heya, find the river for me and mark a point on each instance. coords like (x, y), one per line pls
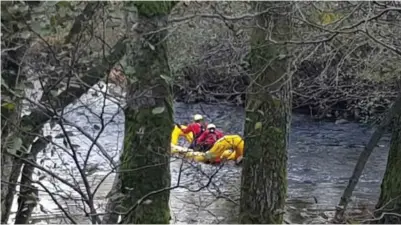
(321, 159)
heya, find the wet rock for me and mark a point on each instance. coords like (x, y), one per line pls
(304, 215)
(307, 182)
(327, 215)
(287, 219)
(357, 211)
(341, 121)
(316, 220)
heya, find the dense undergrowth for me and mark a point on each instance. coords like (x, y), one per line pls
(347, 97)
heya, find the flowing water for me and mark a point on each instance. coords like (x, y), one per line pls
(321, 159)
(322, 156)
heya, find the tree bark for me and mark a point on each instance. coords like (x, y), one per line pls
(9, 178)
(28, 192)
(389, 204)
(363, 159)
(10, 121)
(148, 120)
(268, 117)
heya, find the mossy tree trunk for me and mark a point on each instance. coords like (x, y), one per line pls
(10, 165)
(394, 110)
(268, 112)
(389, 204)
(28, 192)
(149, 120)
(10, 103)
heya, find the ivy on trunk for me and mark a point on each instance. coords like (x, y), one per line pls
(389, 204)
(268, 112)
(145, 162)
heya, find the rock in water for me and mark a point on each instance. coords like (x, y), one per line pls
(341, 121)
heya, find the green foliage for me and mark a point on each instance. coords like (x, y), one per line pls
(158, 110)
(258, 125)
(8, 105)
(14, 145)
(56, 18)
(154, 8)
(47, 18)
(14, 17)
(328, 17)
(63, 4)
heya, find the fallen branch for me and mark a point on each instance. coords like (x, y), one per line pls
(363, 158)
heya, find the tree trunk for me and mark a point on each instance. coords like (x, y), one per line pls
(9, 116)
(28, 192)
(363, 159)
(268, 117)
(148, 121)
(11, 165)
(389, 204)
(114, 203)
(8, 183)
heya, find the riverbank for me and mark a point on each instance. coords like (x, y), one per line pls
(352, 98)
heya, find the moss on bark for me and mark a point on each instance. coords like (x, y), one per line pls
(264, 174)
(390, 196)
(146, 155)
(149, 120)
(11, 65)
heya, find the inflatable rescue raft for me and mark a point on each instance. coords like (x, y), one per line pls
(229, 147)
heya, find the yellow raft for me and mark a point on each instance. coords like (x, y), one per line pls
(229, 147)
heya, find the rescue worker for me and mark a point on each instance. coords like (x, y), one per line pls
(197, 128)
(209, 137)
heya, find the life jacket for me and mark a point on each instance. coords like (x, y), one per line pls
(211, 138)
(202, 129)
(214, 135)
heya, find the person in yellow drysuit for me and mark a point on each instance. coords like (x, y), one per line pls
(233, 142)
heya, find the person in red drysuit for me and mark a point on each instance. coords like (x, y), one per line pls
(197, 128)
(209, 137)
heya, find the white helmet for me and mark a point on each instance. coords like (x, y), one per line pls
(198, 117)
(211, 126)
